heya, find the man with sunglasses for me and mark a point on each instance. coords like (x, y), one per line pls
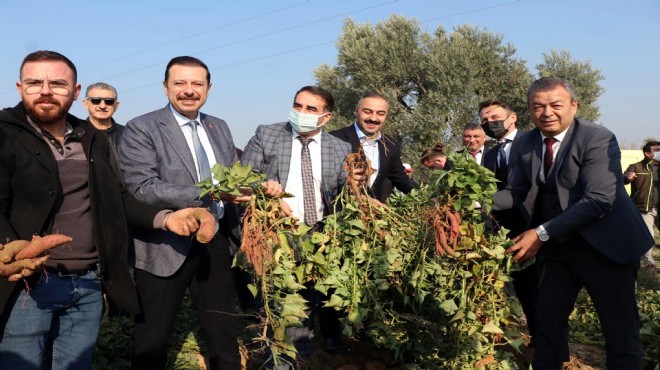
(101, 103)
(56, 177)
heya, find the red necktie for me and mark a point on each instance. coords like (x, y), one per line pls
(548, 156)
(474, 154)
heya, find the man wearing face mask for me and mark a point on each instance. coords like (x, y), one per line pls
(644, 178)
(382, 151)
(499, 122)
(309, 163)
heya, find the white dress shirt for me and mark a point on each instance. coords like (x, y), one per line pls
(555, 149)
(294, 185)
(370, 149)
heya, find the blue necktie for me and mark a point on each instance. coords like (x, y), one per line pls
(502, 154)
(203, 166)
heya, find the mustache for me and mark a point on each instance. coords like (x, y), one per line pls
(46, 99)
(372, 122)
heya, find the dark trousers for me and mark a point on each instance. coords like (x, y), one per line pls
(525, 283)
(564, 269)
(207, 273)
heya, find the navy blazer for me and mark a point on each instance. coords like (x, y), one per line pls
(593, 200)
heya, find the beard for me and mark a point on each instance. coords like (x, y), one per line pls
(48, 116)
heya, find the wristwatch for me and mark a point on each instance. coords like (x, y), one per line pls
(542, 234)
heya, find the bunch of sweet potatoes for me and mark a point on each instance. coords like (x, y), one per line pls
(20, 258)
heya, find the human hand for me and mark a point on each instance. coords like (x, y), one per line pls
(273, 189)
(286, 208)
(187, 221)
(21, 258)
(631, 175)
(526, 245)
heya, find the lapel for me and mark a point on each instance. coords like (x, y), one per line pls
(327, 160)
(213, 133)
(564, 149)
(174, 135)
(284, 153)
(537, 154)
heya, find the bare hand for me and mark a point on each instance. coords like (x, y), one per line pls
(286, 209)
(526, 245)
(631, 175)
(272, 189)
(187, 221)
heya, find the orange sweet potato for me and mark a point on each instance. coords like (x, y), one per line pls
(24, 267)
(8, 251)
(206, 229)
(39, 245)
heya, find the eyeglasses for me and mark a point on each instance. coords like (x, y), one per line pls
(97, 101)
(57, 87)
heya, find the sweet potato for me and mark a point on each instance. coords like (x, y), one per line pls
(39, 245)
(24, 267)
(9, 250)
(206, 229)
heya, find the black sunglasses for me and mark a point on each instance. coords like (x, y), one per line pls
(97, 101)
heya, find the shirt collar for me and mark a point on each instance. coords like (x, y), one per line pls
(362, 137)
(510, 136)
(181, 119)
(316, 138)
(559, 137)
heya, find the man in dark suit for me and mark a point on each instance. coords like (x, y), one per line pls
(584, 227)
(163, 154)
(499, 122)
(380, 149)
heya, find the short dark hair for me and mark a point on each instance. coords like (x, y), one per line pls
(187, 61)
(473, 126)
(550, 83)
(49, 56)
(319, 91)
(495, 102)
(647, 146)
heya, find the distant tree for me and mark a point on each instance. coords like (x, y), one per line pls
(584, 77)
(434, 82)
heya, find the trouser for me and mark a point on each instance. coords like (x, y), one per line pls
(207, 273)
(54, 325)
(525, 283)
(564, 270)
(649, 220)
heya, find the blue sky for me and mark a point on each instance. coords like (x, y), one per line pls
(260, 52)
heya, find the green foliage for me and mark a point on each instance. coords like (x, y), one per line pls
(380, 266)
(434, 81)
(583, 76)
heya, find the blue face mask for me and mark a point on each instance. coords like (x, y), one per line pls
(304, 122)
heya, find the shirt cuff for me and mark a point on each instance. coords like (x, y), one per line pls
(160, 218)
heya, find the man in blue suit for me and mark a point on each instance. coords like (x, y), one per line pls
(582, 226)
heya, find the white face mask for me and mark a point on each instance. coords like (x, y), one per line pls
(656, 156)
(304, 122)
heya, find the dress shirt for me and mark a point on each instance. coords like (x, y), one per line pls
(479, 155)
(370, 149)
(206, 144)
(507, 145)
(294, 183)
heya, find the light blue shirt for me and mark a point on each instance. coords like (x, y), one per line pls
(370, 149)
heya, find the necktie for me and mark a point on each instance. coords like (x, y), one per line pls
(203, 166)
(309, 200)
(548, 156)
(502, 164)
(474, 154)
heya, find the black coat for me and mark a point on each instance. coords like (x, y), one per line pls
(30, 193)
(390, 166)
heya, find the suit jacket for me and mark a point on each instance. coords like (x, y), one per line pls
(269, 152)
(159, 169)
(593, 200)
(30, 194)
(511, 219)
(390, 165)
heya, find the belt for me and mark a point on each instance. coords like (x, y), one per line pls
(70, 273)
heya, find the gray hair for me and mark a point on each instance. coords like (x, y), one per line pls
(101, 86)
(550, 83)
